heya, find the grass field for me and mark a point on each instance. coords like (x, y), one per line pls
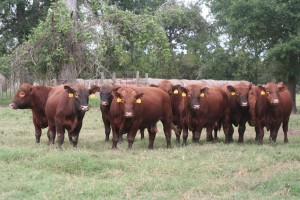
(94, 171)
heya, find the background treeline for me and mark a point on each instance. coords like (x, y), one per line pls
(255, 40)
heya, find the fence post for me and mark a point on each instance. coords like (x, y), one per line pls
(137, 78)
(114, 77)
(146, 79)
(1, 97)
(102, 77)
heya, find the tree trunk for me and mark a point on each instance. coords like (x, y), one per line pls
(67, 73)
(25, 75)
(292, 87)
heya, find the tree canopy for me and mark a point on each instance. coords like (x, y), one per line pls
(253, 40)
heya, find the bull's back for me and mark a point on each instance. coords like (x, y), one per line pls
(286, 103)
(217, 101)
(155, 105)
(56, 100)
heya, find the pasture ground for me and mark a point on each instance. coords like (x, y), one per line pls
(94, 171)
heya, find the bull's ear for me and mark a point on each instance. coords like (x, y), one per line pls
(69, 88)
(116, 94)
(115, 87)
(250, 86)
(94, 89)
(175, 89)
(153, 85)
(230, 88)
(204, 90)
(139, 95)
(183, 91)
(281, 86)
(30, 90)
(262, 89)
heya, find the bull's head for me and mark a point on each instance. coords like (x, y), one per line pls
(80, 95)
(271, 91)
(193, 93)
(23, 98)
(165, 85)
(240, 92)
(128, 98)
(106, 93)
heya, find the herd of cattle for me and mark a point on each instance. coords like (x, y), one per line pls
(128, 109)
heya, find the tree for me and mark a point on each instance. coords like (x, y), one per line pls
(103, 38)
(267, 29)
(188, 34)
(17, 18)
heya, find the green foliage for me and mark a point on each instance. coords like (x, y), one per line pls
(263, 28)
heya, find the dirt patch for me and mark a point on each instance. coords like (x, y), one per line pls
(294, 132)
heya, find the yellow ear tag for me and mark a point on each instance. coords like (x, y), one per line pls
(184, 94)
(92, 96)
(262, 93)
(138, 100)
(175, 92)
(71, 95)
(233, 93)
(202, 95)
(119, 100)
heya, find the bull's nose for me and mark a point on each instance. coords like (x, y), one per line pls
(275, 101)
(128, 114)
(12, 105)
(244, 104)
(84, 108)
(104, 103)
(196, 106)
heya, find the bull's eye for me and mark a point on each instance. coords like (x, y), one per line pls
(22, 94)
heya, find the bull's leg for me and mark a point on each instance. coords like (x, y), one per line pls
(209, 137)
(60, 133)
(228, 136)
(38, 133)
(260, 133)
(197, 134)
(178, 134)
(285, 127)
(142, 131)
(274, 132)
(152, 134)
(107, 130)
(256, 133)
(185, 135)
(51, 132)
(241, 130)
(231, 131)
(131, 136)
(115, 138)
(167, 126)
(174, 128)
(216, 133)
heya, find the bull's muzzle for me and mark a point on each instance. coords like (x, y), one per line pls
(104, 103)
(197, 106)
(84, 108)
(275, 101)
(13, 105)
(128, 114)
(244, 104)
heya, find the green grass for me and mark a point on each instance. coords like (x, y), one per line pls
(94, 171)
